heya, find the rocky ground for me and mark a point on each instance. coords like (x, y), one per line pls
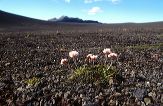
(36, 55)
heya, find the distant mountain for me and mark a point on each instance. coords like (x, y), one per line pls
(13, 19)
(71, 20)
(10, 19)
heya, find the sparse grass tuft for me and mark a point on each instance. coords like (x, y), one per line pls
(93, 74)
(147, 46)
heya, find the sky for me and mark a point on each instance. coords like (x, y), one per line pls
(105, 11)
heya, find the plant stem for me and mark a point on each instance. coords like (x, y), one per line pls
(105, 58)
(75, 62)
(93, 62)
(110, 65)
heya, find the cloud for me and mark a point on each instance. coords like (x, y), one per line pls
(115, 1)
(98, 0)
(88, 1)
(67, 1)
(91, 1)
(94, 10)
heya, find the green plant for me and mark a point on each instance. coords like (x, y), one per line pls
(92, 74)
(33, 81)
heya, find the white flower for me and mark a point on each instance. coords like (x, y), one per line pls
(89, 55)
(107, 51)
(93, 57)
(63, 61)
(112, 55)
(73, 54)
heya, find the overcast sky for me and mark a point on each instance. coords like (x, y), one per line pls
(107, 11)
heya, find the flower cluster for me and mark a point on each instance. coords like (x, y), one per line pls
(64, 61)
(73, 54)
(112, 55)
(91, 57)
(109, 53)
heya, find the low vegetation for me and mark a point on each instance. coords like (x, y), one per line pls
(93, 74)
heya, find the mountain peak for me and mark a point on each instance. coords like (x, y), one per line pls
(71, 20)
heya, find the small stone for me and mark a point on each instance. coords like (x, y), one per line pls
(111, 81)
(147, 101)
(20, 89)
(100, 94)
(112, 103)
(117, 94)
(81, 95)
(152, 94)
(45, 68)
(158, 84)
(139, 93)
(60, 94)
(96, 97)
(148, 83)
(66, 95)
(162, 98)
(7, 64)
(2, 85)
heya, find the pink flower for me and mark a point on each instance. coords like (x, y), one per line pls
(63, 61)
(89, 56)
(73, 54)
(93, 57)
(107, 51)
(112, 55)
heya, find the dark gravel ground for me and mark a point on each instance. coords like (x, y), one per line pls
(28, 54)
